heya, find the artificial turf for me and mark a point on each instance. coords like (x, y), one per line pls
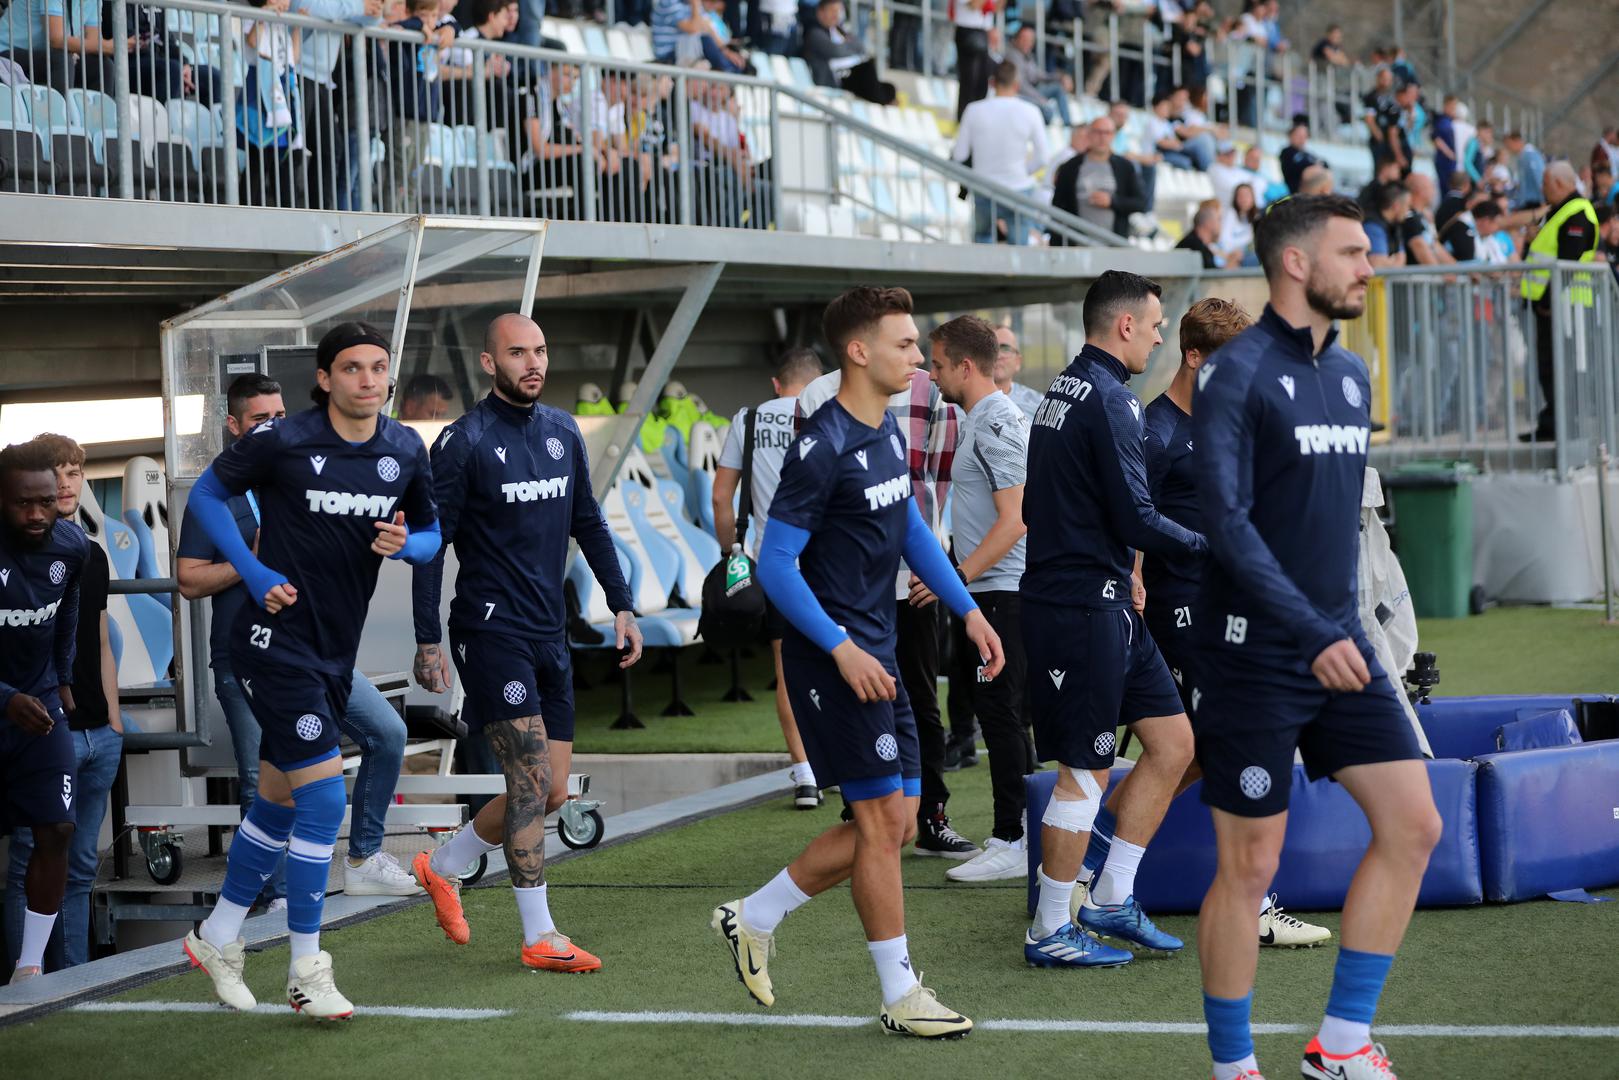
(644, 907)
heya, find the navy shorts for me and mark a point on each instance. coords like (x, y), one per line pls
(1251, 718)
(867, 750)
(297, 710)
(506, 677)
(1090, 670)
(1170, 624)
(38, 774)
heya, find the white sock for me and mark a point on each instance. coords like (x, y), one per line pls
(1084, 876)
(304, 945)
(893, 960)
(1264, 905)
(764, 910)
(1118, 877)
(459, 852)
(535, 911)
(36, 932)
(224, 925)
(802, 774)
(1232, 1070)
(1341, 1037)
(1052, 913)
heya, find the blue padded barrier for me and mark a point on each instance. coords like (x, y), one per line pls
(1326, 837)
(1537, 732)
(1547, 820)
(1464, 727)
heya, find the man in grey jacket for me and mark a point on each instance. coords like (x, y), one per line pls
(1048, 91)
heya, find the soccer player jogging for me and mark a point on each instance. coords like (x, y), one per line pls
(513, 486)
(339, 489)
(772, 435)
(1281, 423)
(988, 524)
(1094, 664)
(41, 561)
(843, 513)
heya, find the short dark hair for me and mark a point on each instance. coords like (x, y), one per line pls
(63, 450)
(1006, 74)
(1288, 220)
(1515, 134)
(1210, 323)
(1386, 194)
(857, 310)
(1487, 209)
(245, 388)
(799, 364)
(424, 385)
(968, 337)
(1111, 293)
(1605, 213)
(35, 455)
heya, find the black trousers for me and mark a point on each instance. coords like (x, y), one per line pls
(917, 651)
(862, 81)
(972, 67)
(959, 703)
(1546, 426)
(1000, 708)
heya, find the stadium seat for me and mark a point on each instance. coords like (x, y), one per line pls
(24, 166)
(596, 41)
(649, 588)
(203, 132)
(145, 497)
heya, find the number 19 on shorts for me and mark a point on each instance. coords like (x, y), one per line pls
(1236, 629)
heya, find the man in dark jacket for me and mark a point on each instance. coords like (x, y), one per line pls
(1099, 185)
(837, 58)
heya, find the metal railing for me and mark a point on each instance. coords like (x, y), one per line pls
(207, 104)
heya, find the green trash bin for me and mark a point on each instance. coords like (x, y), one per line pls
(1433, 534)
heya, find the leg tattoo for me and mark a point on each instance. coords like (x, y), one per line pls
(526, 759)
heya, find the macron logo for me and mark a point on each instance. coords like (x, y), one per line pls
(1057, 677)
(444, 440)
(888, 492)
(1287, 384)
(5, 577)
(500, 452)
(350, 504)
(805, 445)
(247, 687)
(318, 463)
(530, 490)
(1135, 409)
(860, 456)
(815, 699)
(1331, 438)
(1204, 373)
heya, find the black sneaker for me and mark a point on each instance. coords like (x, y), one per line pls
(806, 797)
(960, 755)
(935, 838)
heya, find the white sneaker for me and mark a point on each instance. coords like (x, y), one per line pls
(224, 967)
(1279, 930)
(919, 1013)
(379, 875)
(1001, 860)
(312, 990)
(21, 974)
(278, 904)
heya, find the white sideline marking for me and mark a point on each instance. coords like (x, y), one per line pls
(1111, 1027)
(265, 1009)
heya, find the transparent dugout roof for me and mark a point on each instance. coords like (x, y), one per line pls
(371, 279)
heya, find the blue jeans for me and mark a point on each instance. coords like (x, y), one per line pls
(1056, 98)
(370, 722)
(96, 752)
(986, 210)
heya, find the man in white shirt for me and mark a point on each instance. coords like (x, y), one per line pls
(1005, 136)
(772, 435)
(1225, 174)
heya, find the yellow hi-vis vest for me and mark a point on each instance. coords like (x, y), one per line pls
(1543, 249)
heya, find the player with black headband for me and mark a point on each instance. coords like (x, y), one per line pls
(340, 487)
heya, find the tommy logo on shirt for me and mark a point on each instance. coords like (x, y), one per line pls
(860, 456)
(888, 492)
(317, 462)
(1287, 384)
(350, 503)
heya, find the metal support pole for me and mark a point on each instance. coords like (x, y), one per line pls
(776, 157)
(1559, 307)
(1148, 56)
(120, 82)
(362, 111)
(1113, 53)
(480, 121)
(928, 67)
(1607, 543)
(1040, 33)
(880, 39)
(587, 133)
(684, 140)
(227, 85)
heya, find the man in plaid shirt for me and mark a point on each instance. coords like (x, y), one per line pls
(932, 429)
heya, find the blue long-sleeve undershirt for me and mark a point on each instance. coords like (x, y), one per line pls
(208, 503)
(421, 545)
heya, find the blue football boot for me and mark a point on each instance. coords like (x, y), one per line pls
(1127, 922)
(1071, 947)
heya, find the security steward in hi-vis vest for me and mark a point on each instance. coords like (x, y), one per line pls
(1569, 234)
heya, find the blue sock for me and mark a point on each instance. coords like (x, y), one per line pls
(1229, 1036)
(258, 847)
(1101, 842)
(309, 854)
(1357, 983)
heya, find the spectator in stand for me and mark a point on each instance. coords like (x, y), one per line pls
(1099, 185)
(683, 33)
(1400, 64)
(1385, 225)
(46, 38)
(1446, 154)
(1382, 117)
(1459, 197)
(974, 19)
(1237, 228)
(1604, 191)
(155, 66)
(552, 150)
(458, 69)
(1191, 35)
(327, 123)
(1137, 149)
(1408, 99)
(1608, 223)
(1387, 173)
(1530, 165)
(735, 191)
(1317, 180)
(773, 24)
(1160, 134)
(1294, 158)
(1265, 189)
(1421, 236)
(837, 57)
(1004, 138)
(1330, 49)
(418, 103)
(1480, 153)
(1047, 91)
(1225, 174)
(268, 113)
(1193, 128)
(426, 397)
(1495, 244)
(1203, 234)
(1607, 149)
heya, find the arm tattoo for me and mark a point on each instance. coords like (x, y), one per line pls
(427, 665)
(525, 756)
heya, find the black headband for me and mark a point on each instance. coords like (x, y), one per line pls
(347, 336)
